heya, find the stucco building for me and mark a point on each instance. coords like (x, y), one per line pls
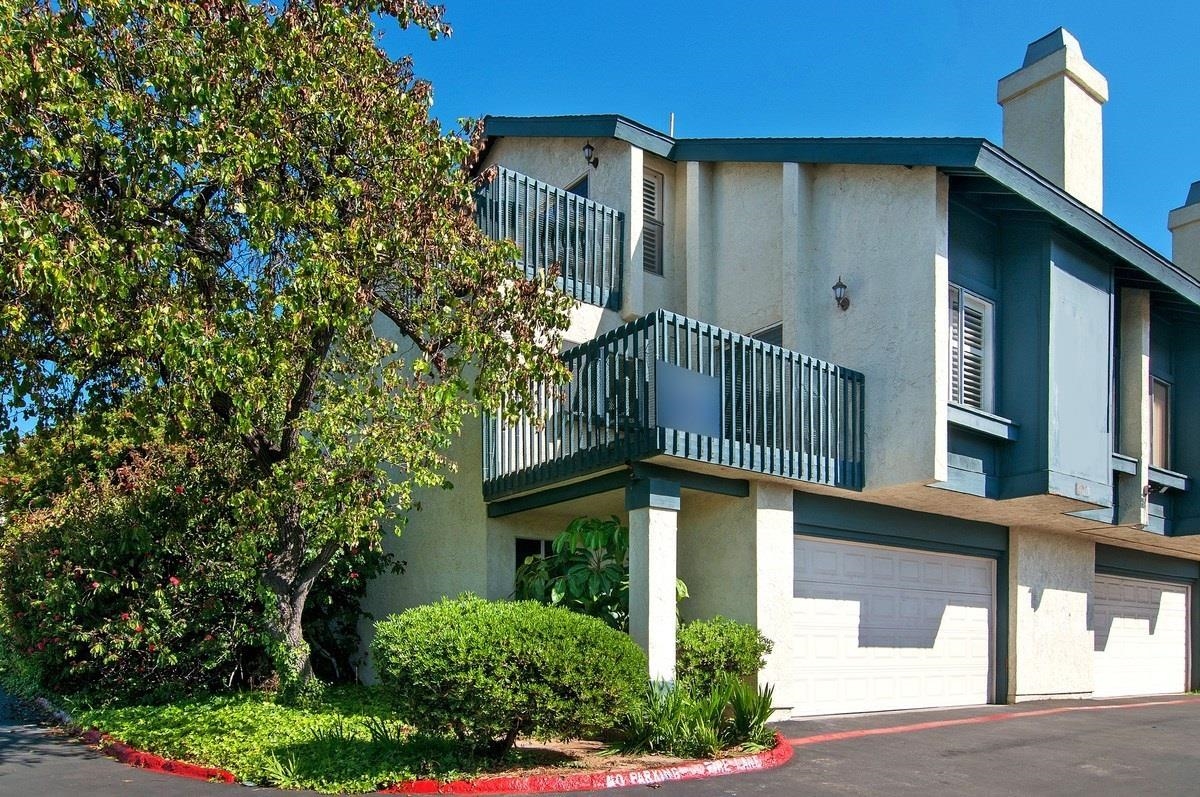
(966, 478)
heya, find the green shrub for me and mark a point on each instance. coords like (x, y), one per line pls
(682, 720)
(488, 671)
(707, 651)
(132, 581)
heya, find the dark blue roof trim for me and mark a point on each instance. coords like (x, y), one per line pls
(1023, 181)
(597, 126)
(944, 152)
(959, 154)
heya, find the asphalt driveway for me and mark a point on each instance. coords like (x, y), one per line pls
(1098, 749)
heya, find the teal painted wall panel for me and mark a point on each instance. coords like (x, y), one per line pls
(973, 246)
(1185, 442)
(1023, 258)
(1080, 351)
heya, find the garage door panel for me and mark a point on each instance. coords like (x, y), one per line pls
(1141, 636)
(881, 628)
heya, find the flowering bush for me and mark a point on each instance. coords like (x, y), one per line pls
(133, 580)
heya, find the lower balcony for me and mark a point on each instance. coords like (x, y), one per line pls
(668, 386)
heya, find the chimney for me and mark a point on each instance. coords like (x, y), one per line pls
(1052, 116)
(1184, 224)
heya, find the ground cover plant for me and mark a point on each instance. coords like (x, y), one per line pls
(351, 740)
(700, 721)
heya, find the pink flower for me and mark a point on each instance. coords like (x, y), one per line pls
(179, 489)
(95, 585)
(124, 615)
(354, 575)
(174, 581)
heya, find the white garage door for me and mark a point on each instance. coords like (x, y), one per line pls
(1141, 637)
(881, 628)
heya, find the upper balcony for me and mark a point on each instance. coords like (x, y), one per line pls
(553, 227)
(665, 386)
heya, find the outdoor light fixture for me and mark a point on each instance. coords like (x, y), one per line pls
(839, 294)
(589, 155)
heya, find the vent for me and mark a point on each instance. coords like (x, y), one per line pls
(652, 225)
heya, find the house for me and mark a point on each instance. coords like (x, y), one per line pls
(964, 475)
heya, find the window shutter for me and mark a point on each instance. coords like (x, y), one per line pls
(973, 356)
(970, 349)
(652, 228)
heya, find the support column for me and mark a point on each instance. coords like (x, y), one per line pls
(774, 551)
(633, 286)
(653, 506)
(1051, 640)
(1133, 426)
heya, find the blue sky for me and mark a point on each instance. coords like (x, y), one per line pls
(831, 69)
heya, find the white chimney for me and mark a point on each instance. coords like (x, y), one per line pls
(1184, 224)
(1052, 116)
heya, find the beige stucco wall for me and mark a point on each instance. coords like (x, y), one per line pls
(735, 555)
(1184, 224)
(883, 231)
(745, 256)
(1051, 640)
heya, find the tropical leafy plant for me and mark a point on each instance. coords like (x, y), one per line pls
(588, 572)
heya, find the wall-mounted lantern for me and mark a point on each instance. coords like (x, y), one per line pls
(589, 155)
(839, 294)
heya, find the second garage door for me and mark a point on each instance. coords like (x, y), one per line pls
(880, 628)
(1141, 637)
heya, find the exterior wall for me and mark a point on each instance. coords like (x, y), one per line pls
(1081, 345)
(745, 255)
(1051, 584)
(670, 290)
(735, 555)
(444, 543)
(883, 230)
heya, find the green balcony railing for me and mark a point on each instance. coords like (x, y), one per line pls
(668, 385)
(553, 227)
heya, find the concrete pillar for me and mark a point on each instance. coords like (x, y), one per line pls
(697, 240)
(736, 558)
(795, 222)
(1052, 116)
(1184, 224)
(774, 549)
(1051, 590)
(653, 506)
(1133, 428)
(633, 280)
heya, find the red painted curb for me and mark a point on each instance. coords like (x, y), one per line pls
(582, 781)
(840, 736)
(151, 761)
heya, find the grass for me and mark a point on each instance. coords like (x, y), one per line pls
(352, 741)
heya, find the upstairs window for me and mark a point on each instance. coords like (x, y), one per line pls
(580, 187)
(1160, 424)
(652, 222)
(971, 358)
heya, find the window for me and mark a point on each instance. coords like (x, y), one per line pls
(527, 547)
(1160, 424)
(652, 222)
(772, 334)
(579, 187)
(970, 349)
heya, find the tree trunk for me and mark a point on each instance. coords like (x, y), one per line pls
(297, 660)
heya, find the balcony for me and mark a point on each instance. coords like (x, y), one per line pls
(553, 227)
(667, 386)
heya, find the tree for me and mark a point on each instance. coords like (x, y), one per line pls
(237, 220)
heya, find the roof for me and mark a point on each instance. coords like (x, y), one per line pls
(965, 157)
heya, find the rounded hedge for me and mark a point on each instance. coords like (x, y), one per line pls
(708, 651)
(490, 670)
